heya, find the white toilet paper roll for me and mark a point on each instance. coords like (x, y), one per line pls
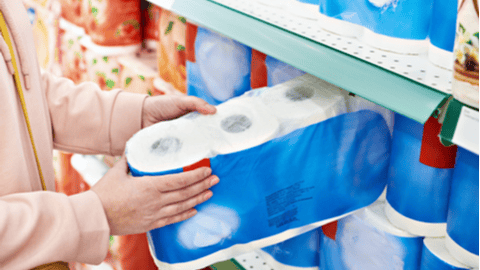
(375, 216)
(169, 145)
(240, 124)
(304, 101)
(442, 260)
(305, 9)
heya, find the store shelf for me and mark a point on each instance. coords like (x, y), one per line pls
(460, 126)
(404, 95)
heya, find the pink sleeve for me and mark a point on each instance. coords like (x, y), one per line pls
(75, 228)
(88, 120)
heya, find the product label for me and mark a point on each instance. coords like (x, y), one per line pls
(466, 133)
(279, 202)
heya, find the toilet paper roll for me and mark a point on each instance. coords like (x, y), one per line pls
(462, 222)
(303, 101)
(435, 256)
(240, 124)
(168, 146)
(382, 17)
(442, 33)
(417, 194)
(335, 17)
(150, 20)
(72, 53)
(114, 22)
(367, 240)
(307, 9)
(72, 11)
(298, 253)
(221, 69)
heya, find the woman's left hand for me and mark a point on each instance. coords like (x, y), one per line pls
(168, 107)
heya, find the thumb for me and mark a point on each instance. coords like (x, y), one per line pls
(122, 164)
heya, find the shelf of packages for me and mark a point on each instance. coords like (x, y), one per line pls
(374, 82)
(460, 126)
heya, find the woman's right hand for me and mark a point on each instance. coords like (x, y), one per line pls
(139, 204)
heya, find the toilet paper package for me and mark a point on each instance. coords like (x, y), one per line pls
(367, 240)
(171, 52)
(436, 257)
(465, 67)
(45, 26)
(113, 22)
(74, 11)
(307, 9)
(299, 253)
(417, 194)
(72, 53)
(136, 76)
(280, 72)
(442, 32)
(219, 68)
(150, 23)
(103, 66)
(380, 21)
(273, 187)
(462, 222)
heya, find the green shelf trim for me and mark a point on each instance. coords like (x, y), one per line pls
(449, 126)
(369, 81)
(227, 265)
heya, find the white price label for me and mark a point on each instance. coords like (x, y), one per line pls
(466, 133)
(165, 4)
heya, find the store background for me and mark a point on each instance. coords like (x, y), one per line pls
(143, 48)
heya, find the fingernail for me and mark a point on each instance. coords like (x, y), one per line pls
(214, 181)
(208, 171)
(207, 195)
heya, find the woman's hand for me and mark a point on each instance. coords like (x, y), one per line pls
(139, 204)
(168, 107)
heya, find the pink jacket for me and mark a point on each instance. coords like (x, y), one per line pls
(38, 227)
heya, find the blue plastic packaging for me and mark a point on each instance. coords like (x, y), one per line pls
(302, 252)
(221, 70)
(280, 189)
(462, 222)
(417, 194)
(436, 257)
(279, 72)
(361, 244)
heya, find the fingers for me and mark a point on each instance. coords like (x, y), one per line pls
(122, 164)
(180, 180)
(180, 207)
(174, 219)
(190, 191)
(189, 103)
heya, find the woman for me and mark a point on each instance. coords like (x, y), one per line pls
(40, 227)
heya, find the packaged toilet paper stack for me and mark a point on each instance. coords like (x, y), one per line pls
(367, 240)
(298, 253)
(72, 53)
(45, 25)
(377, 22)
(417, 194)
(436, 257)
(286, 185)
(442, 32)
(113, 22)
(218, 68)
(171, 50)
(136, 75)
(150, 23)
(462, 222)
(74, 11)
